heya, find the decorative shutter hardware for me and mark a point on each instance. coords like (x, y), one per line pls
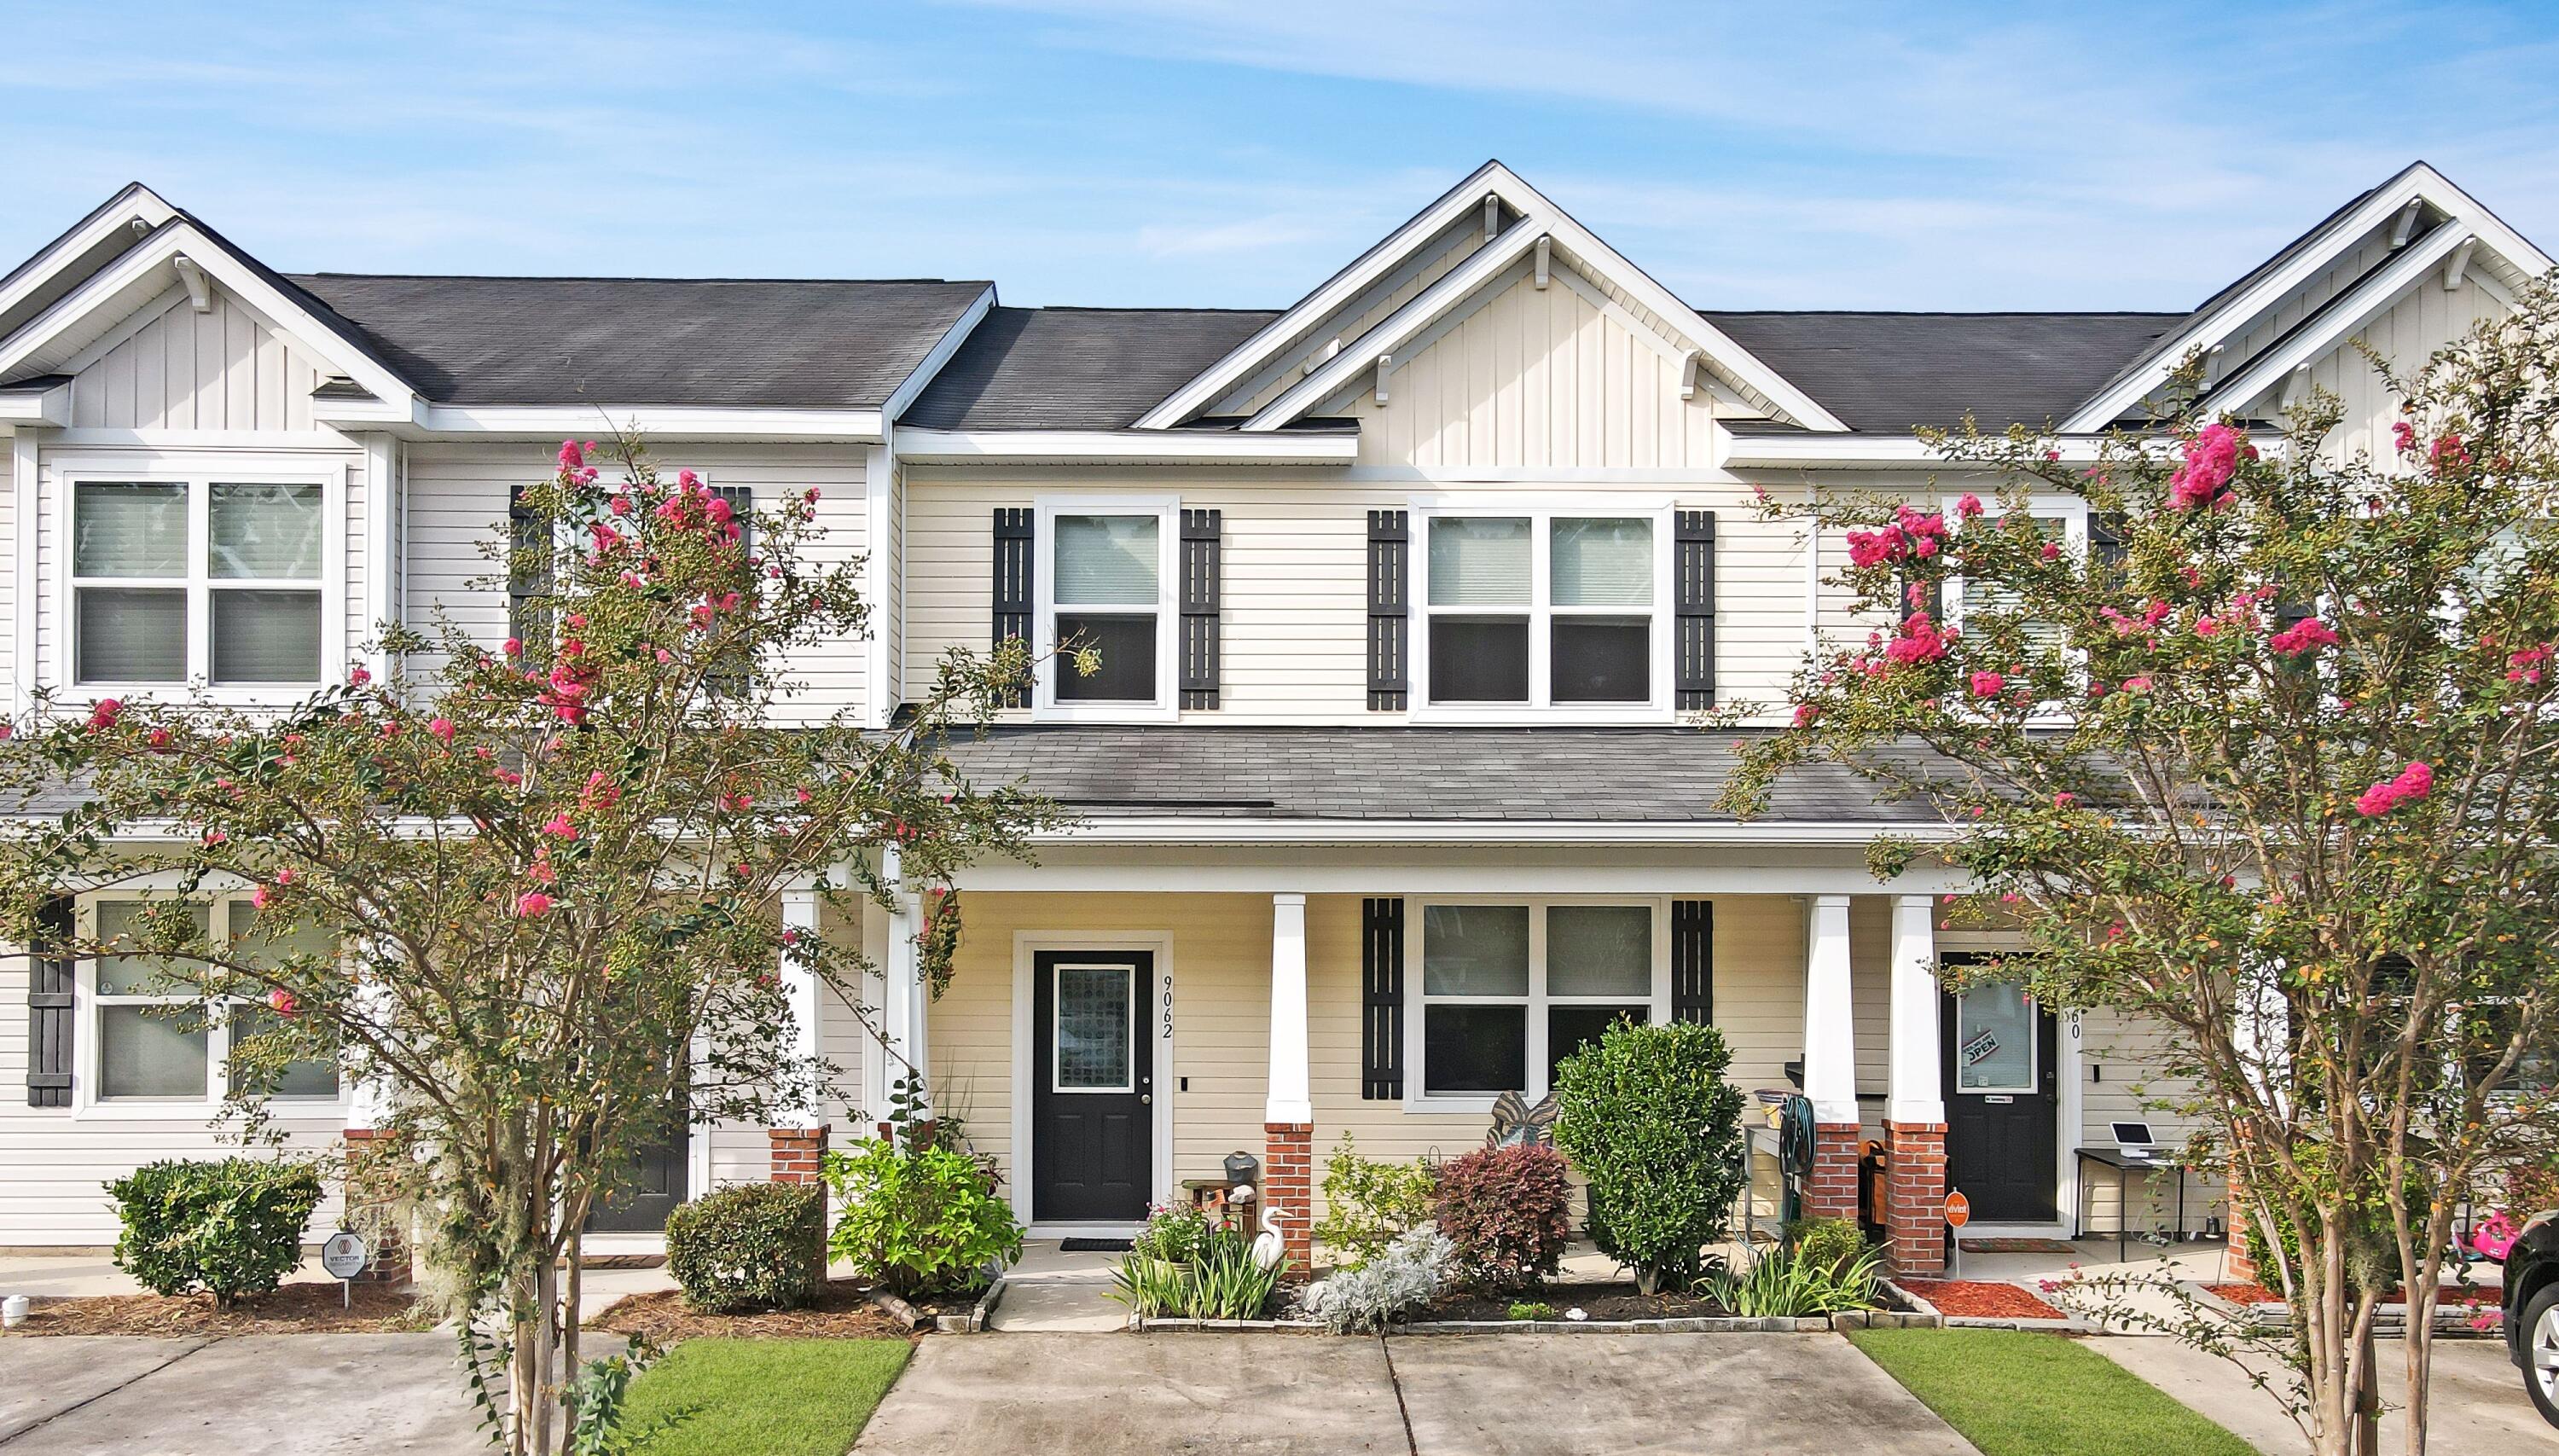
(1390, 554)
(52, 1009)
(1695, 532)
(1012, 582)
(1202, 576)
(1382, 999)
(1693, 961)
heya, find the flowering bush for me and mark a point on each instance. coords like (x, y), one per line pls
(1507, 1211)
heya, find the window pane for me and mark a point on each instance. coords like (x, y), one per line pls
(1603, 564)
(125, 976)
(1108, 561)
(309, 1077)
(265, 532)
(1993, 1038)
(258, 949)
(1474, 950)
(1977, 595)
(266, 637)
(128, 530)
(1474, 661)
(1093, 1019)
(1479, 563)
(1127, 648)
(1570, 1028)
(1602, 659)
(1598, 950)
(130, 635)
(1474, 1049)
(144, 1052)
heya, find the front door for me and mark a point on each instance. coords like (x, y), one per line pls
(660, 1179)
(2002, 1102)
(1092, 1143)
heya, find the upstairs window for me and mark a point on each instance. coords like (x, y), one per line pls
(1108, 588)
(1544, 610)
(215, 581)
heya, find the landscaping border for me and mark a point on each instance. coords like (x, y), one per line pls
(2067, 1325)
(2389, 1321)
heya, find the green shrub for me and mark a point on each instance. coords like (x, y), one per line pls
(754, 1245)
(1646, 1114)
(1368, 1203)
(1509, 1213)
(1531, 1309)
(232, 1226)
(1188, 1265)
(920, 1220)
(1787, 1281)
(1830, 1244)
(1177, 1235)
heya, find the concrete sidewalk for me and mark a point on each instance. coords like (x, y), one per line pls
(252, 1396)
(2478, 1407)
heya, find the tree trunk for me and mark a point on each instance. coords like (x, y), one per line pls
(523, 1371)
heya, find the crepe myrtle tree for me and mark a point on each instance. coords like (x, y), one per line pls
(550, 872)
(2273, 763)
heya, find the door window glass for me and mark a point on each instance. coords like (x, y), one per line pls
(1093, 1024)
(1995, 1039)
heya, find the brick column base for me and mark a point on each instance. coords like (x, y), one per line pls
(1914, 1198)
(1289, 1187)
(796, 1153)
(1830, 1191)
(2236, 1265)
(372, 1206)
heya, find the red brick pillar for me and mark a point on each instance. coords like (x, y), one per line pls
(796, 1152)
(1287, 1184)
(1830, 1190)
(372, 1206)
(2236, 1265)
(1914, 1198)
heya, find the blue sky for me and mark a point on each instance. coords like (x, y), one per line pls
(1938, 155)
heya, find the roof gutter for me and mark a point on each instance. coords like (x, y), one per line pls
(423, 420)
(1177, 829)
(1870, 451)
(1124, 447)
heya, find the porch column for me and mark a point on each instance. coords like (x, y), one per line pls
(800, 1139)
(1914, 1125)
(2262, 1034)
(1288, 1116)
(1830, 1061)
(369, 1193)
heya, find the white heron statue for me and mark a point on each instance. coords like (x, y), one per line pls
(1270, 1246)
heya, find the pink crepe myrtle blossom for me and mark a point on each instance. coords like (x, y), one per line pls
(1968, 505)
(1919, 642)
(2137, 684)
(2526, 666)
(2050, 551)
(261, 897)
(2404, 435)
(2207, 625)
(1988, 684)
(2414, 782)
(2448, 453)
(282, 1002)
(441, 729)
(2212, 458)
(515, 646)
(2064, 800)
(2305, 636)
(533, 904)
(1807, 714)
(104, 714)
(559, 827)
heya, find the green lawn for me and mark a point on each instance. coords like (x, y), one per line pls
(775, 1397)
(2015, 1392)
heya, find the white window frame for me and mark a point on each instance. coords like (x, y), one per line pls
(1541, 611)
(1536, 1004)
(90, 1035)
(2072, 512)
(1166, 705)
(200, 473)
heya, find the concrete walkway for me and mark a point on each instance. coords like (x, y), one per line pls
(1428, 1395)
(2478, 1407)
(253, 1395)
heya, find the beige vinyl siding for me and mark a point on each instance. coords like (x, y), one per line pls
(457, 509)
(2119, 1079)
(12, 591)
(221, 370)
(2423, 320)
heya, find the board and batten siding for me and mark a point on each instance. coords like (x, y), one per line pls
(457, 511)
(2424, 320)
(179, 370)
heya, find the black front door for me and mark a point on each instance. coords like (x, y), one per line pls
(1092, 1145)
(660, 1178)
(2002, 1102)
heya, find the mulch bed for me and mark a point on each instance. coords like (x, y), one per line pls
(2449, 1296)
(661, 1317)
(1598, 1301)
(293, 1309)
(1981, 1299)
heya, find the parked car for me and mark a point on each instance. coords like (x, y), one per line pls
(2532, 1310)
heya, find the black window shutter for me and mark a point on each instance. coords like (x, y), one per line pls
(528, 578)
(1382, 1000)
(1695, 531)
(2106, 542)
(52, 1009)
(1693, 961)
(1202, 573)
(1012, 578)
(1390, 552)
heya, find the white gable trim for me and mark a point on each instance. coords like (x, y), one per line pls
(2419, 184)
(939, 356)
(136, 204)
(2413, 268)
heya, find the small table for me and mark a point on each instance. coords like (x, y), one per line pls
(2125, 1168)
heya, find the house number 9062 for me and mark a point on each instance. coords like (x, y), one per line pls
(1168, 1008)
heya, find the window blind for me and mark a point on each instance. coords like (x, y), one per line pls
(1479, 563)
(1603, 562)
(1108, 561)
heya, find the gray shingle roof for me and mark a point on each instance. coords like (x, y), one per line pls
(1886, 372)
(1496, 775)
(720, 342)
(1076, 369)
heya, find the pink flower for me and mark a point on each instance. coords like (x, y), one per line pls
(2137, 684)
(2206, 627)
(2211, 459)
(515, 646)
(359, 676)
(571, 456)
(103, 715)
(791, 937)
(1968, 505)
(1806, 715)
(2064, 801)
(559, 827)
(1989, 685)
(2414, 782)
(284, 876)
(2052, 455)
(2526, 666)
(2307, 635)
(282, 1002)
(442, 728)
(531, 904)
(2404, 435)
(2448, 453)
(1919, 641)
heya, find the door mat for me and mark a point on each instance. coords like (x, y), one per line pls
(2016, 1246)
(1093, 1245)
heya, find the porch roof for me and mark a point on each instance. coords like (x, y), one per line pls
(1575, 774)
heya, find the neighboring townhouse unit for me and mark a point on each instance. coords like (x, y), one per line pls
(1408, 595)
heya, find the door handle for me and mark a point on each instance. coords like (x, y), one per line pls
(1147, 1099)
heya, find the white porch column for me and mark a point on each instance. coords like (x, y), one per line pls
(1829, 1030)
(903, 995)
(1290, 1100)
(800, 987)
(1917, 1053)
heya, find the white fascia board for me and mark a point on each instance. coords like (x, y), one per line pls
(939, 356)
(1239, 361)
(1130, 447)
(136, 204)
(661, 421)
(2413, 265)
(1873, 452)
(2420, 183)
(48, 407)
(1181, 830)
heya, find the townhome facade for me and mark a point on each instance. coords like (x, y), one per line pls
(1408, 597)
